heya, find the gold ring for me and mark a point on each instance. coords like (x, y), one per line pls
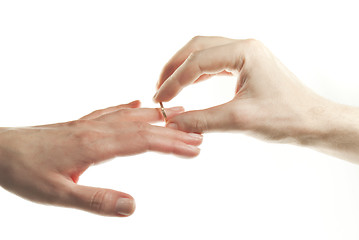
(163, 111)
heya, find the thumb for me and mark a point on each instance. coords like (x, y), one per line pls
(101, 201)
(199, 121)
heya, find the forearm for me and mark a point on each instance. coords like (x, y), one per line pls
(334, 131)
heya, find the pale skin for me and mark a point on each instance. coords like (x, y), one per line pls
(44, 163)
(269, 101)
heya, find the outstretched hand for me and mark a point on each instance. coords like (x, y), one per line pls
(44, 163)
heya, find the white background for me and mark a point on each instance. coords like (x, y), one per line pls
(60, 60)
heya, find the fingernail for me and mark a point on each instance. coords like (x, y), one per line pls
(176, 109)
(154, 97)
(192, 148)
(195, 136)
(125, 206)
(172, 125)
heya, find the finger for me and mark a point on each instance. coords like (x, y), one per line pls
(175, 135)
(209, 61)
(98, 113)
(140, 114)
(200, 121)
(173, 146)
(196, 44)
(101, 201)
(141, 137)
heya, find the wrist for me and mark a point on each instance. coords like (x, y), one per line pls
(332, 128)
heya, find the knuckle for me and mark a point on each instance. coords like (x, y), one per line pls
(80, 123)
(75, 123)
(252, 42)
(200, 124)
(253, 49)
(141, 126)
(197, 42)
(125, 112)
(192, 56)
(193, 62)
(254, 45)
(98, 112)
(196, 39)
(98, 200)
(195, 59)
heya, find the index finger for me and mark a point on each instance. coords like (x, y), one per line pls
(197, 43)
(208, 61)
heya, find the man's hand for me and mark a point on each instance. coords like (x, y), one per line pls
(43, 163)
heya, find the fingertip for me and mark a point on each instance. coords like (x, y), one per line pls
(125, 206)
(134, 104)
(195, 138)
(161, 95)
(188, 151)
(197, 153)
(193, 151)
(154, 98)
(158, 84)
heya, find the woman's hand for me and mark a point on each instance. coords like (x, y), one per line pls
(43, 163)
(269, 102)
